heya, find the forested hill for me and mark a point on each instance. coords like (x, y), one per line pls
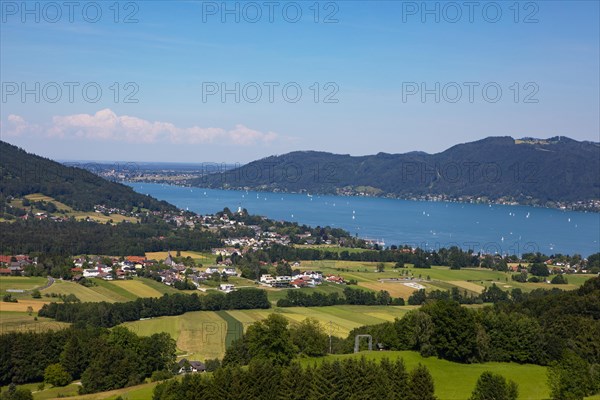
(530, 171)
(22, 173)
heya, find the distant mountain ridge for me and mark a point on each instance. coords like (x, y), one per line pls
(528, 171)
(22, 173)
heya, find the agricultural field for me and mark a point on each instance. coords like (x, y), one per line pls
(473, 280)
(21, 283)
(204, 334)
(202, 258)
(19, 321)
(199, 334)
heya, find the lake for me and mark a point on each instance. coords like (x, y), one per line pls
(488, 228)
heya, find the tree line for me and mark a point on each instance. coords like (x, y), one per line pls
(103, 314)
(102, 359)
(297, 298)
(348, 379)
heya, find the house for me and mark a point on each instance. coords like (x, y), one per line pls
(91, 273)
(211, 271)
(230, 271)
(266, 278)
(226, 287)
(186, 366)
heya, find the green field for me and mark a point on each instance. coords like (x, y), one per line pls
(21, 282)
(205, 334)
(456, 381)
(17, 321)
(199, 334)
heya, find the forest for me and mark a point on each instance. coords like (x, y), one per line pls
(22, 173)
(102, 359)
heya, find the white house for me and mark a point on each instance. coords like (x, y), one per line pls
(226, 287)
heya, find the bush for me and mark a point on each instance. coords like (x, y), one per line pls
(494, 386)
(559, 280)
(212, 364)
(56, 375)
(161, 375)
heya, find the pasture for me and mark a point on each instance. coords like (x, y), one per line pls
(21, 283)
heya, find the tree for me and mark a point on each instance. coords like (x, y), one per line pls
(56, 375)
(270, 339)
(559, 280)
(539, 269)
(420, 384)
(494, 386)
(35, 293)
(417, 298)
(570, 378)
(14, 393)
(310, 338)
(380, 267)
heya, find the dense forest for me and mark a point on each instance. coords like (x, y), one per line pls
(349, 379)
(81, 237)
(101, 359)
(22, 173)
(533, 172)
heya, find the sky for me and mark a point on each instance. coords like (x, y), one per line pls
(237, 81)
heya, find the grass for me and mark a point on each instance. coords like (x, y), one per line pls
(83, 293)
(135, 288)
(199, 335)
(23, 305)
(21, 282)
(18, 321)
(203, 258)
(67, 211)
(456, 381)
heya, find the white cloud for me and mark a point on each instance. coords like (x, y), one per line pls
(105, 125)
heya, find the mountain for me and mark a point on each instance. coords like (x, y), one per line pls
(22, 173)
(528, 170)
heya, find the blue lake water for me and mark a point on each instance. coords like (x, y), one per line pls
(496, 228)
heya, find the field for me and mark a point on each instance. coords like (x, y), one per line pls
(204, 334)
(203, 258)
(18, 321)
(199, 334)
(21, 283)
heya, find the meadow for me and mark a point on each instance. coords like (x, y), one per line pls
(67, 211)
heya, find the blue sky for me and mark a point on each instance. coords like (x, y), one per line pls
(370, 61)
